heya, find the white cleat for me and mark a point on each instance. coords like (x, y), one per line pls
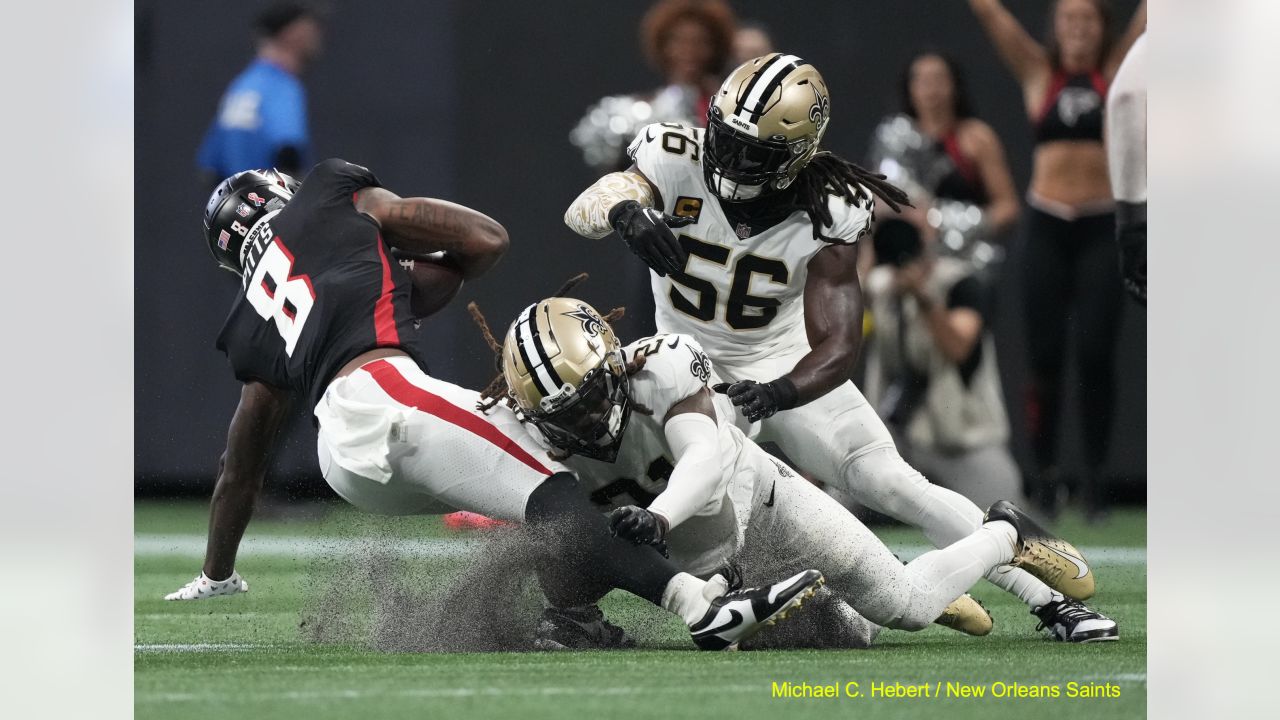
(202, 587)
(736, 616)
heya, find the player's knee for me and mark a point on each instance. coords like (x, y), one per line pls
(913, 621)
(557, 497)
(887, 481)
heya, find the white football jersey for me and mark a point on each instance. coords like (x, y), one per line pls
(675, 368)
(742, 297)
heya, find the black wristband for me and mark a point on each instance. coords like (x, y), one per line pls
(786, 393)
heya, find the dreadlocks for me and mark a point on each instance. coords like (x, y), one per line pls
(829, 174)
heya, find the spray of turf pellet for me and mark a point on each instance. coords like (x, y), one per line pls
(488, 599)
(484, 600)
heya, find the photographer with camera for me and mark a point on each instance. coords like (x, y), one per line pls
(931, 367)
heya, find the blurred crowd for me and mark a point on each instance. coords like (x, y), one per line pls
(932, 273)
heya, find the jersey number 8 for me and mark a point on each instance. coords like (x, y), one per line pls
(279, 296)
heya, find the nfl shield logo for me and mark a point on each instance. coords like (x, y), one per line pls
(256, 199)
(244, 210)
(743, 230)
(224, 237)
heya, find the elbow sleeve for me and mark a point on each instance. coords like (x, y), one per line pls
(694, 439)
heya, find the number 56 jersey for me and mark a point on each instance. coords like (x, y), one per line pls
(319, 288)
(741, 292)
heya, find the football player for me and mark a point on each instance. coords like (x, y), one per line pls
(639, 427)
(324, 316)
(763, 274)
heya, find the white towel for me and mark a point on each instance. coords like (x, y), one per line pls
(359, 433)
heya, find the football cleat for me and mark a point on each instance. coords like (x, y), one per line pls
(1054, 560)
(579, 628)
(202, 587)
(828, 622)
(1068, 620)
(965, 614)
(737, 615)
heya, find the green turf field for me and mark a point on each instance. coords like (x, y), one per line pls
(254, 656)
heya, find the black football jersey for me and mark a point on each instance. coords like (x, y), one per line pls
(319, 288)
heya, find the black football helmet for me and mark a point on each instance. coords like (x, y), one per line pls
(236, 205)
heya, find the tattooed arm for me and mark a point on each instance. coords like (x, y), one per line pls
(589, 214)
(470, 238)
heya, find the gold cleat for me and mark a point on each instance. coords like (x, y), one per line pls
(966, 615)
(1054, 560)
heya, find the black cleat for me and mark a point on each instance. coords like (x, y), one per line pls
(579, 628)
(737, 615)
(1054, 560)
(1068, 620)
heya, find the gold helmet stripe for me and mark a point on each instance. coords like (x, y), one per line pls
(762, 86)
(543, 372)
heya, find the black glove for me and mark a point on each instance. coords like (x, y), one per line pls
(648, 233)
(1131, 234)
(640, 526)
(760, 400)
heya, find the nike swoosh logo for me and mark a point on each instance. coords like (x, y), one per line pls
(648, 135)
(772, 490)
(674, 343)
(735, 619)
(1084, 569)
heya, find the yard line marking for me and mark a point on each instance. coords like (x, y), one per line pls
(193, 545)
(197, 647)
(1105, 555)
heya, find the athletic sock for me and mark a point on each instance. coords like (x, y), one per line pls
(940, 576)
(1027, 587)
(1005, 530)
(684, 596)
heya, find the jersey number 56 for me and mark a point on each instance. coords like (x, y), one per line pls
(743, 311)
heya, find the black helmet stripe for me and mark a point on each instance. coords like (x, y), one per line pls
(557, 383)
(764, 83)
(523, 339)
(529, 340)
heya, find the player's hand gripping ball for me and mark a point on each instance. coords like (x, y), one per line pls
(436, 280)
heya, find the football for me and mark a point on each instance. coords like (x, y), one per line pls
(436, 281)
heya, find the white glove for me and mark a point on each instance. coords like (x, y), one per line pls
(202, 587)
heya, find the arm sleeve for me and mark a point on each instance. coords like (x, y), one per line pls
(589, 214)
(694, 440)
(1126, 119)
